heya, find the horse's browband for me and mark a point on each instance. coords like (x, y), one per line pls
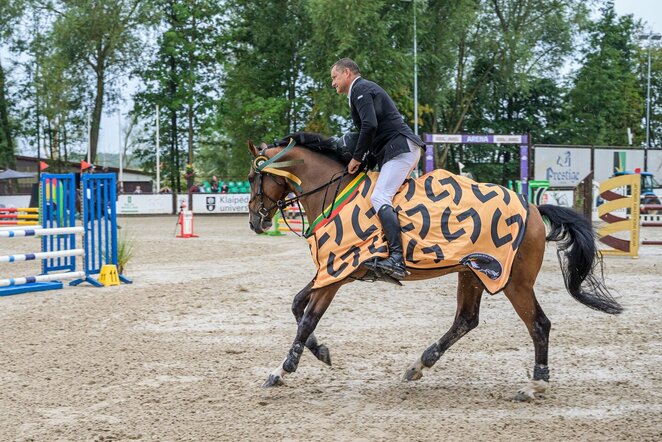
(270, 165)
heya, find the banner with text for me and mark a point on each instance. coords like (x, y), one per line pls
(220, 203)
(562, 167)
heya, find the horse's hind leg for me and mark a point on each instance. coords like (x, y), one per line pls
(317, 304)
(299, 304)
(469, 292)
(524, 301)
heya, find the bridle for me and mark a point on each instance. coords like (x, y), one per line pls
(263, 166)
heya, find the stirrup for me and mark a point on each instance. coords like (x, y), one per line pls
(376, 274)
(395, 272)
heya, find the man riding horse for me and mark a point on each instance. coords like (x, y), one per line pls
(487, 234)
(384, 135)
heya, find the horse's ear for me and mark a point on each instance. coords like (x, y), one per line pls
(252, 149)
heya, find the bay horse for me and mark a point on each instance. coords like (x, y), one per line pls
(312, 176)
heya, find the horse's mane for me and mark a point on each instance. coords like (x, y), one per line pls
(314, 142)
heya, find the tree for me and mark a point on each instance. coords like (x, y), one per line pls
(508, 62)
(183, 80)
(655, 124)
(101, 38)
(6, 137)
(606, 95)
(11, 10)
(375, 34)
(264, 85)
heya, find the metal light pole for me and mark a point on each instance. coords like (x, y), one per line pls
(648, 37)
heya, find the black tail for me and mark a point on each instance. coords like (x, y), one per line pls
(579, 258)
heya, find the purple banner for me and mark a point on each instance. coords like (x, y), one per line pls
(429, 158)
(474, 139)
(522, 140)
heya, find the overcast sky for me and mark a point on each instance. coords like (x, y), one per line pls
(648, 10)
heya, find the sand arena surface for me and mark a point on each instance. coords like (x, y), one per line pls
(181, 354)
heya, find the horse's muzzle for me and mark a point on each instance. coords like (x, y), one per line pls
(259, 224)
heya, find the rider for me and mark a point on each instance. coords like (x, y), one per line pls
(383, 134)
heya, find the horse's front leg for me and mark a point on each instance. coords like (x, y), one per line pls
(299, 304)
(317, 305)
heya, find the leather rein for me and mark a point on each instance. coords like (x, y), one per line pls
(271, 167)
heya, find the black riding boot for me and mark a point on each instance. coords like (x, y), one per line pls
(394, 265)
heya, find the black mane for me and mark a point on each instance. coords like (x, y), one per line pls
(315, 142)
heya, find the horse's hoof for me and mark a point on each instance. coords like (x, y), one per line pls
(273, 381)
(413, 374)
(323, 354)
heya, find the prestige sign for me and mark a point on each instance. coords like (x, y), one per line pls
(562, 167)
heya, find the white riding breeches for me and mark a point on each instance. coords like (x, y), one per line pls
(393, 174)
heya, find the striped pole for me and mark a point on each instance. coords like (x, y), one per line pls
(41, 232)
(18, 216)
(20, 227)
(20, 223)
(41, 255)
(25, 209)
(41, 278)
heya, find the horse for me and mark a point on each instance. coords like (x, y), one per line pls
(312, 176)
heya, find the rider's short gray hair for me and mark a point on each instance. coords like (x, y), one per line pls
(347, 63)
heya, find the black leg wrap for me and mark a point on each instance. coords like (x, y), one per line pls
(292, 361)
(540, 372)
(430, 356)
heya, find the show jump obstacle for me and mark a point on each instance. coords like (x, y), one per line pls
(616, 201)
(60, 235)
(621, 212)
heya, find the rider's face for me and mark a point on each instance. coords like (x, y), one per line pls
(341, 80)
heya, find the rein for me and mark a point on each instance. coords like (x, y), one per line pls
(270, 166)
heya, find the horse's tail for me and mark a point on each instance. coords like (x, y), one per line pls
(579, 258)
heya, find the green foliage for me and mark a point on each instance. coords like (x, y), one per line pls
(510, 86)
(125, 251)
(225, 72)
(182, 79)
(656, 95)
(99, 38)
(6, 137)
(358, 30)
(606, 97)
(10, 11)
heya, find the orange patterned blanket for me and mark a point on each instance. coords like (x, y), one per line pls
(446, 220)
